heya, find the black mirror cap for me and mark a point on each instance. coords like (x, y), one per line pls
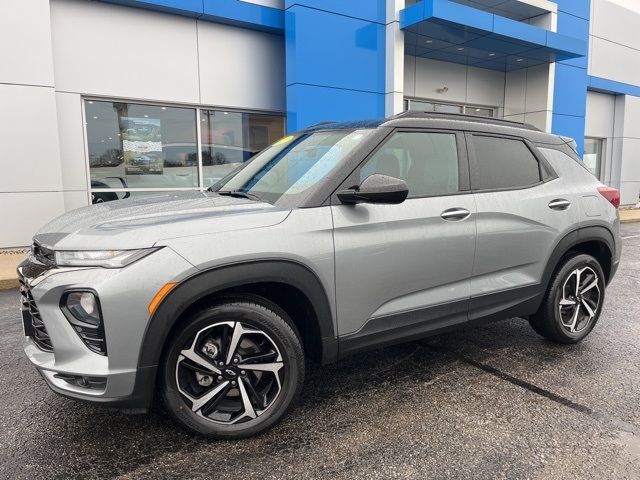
(376, 188)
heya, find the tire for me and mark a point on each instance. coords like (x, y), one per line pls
(269, 372)
(560, 323)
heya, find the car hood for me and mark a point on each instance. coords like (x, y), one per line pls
(143, 222)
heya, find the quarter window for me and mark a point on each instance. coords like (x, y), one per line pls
(502, 163)
(427, 161)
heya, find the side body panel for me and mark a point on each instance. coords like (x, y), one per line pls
(517, 232)
(395, 259)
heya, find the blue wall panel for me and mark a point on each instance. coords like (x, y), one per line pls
(309, 104)
(570, 90)
(335, 63)
(572, 79)
(334, 50)
(604, 85)
(370, 10)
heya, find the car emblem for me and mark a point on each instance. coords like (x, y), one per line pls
(229, 372)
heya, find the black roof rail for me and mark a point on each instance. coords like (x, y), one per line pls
(319, 124)
(465, 118)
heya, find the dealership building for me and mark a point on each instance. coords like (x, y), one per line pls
(104, 100)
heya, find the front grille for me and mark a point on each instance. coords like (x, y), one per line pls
(32, 322)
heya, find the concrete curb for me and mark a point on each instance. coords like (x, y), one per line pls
(630, 215)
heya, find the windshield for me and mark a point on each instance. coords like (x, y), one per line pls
(292, 168)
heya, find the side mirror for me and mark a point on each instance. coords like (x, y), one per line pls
(376, 188)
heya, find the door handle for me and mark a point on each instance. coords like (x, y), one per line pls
(455, 214)
(559, 204)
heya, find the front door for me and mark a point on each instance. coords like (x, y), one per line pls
(405, 269)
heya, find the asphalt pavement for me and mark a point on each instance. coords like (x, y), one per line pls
(496, 401)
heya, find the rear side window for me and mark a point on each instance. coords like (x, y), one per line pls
(502, 163)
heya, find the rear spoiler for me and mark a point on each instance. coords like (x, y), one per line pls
(571, 142)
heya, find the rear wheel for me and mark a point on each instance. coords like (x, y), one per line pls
(573, 302)
(234, 370)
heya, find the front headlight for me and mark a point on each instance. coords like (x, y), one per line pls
(100, 258)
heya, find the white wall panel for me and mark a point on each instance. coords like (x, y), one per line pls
(410, 76)
(29, 155)
(24, 213)
(600, 115)
(424, 78)
(616, 23)
(515, 92)
(241, 67)
(537, 96)
(73, 200)
(632, 117)
(432, 75)
(25, 36)
(71, 138)
(268, 3)
(110, 50)
(630, 172)
(615, 62)
(485, 87)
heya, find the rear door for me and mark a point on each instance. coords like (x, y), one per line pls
(402, 269)
(522, 212)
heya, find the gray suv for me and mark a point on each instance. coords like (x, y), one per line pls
(341, 238)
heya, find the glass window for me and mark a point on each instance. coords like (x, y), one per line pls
(424, 106)
(443, 108)
(593, 148)
(141, 146)
(502, 163)
(479, 111)
(292, 167)
(428, 162)
(231, 138)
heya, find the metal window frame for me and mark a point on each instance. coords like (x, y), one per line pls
(198, 108)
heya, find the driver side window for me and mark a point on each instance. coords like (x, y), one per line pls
(427, 161)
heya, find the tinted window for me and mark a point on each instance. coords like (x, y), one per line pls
(502, 163)
(428, 162)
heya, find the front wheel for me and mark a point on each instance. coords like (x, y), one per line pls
(234, 370)
(573, 302)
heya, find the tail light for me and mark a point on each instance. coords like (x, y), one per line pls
(611, 194)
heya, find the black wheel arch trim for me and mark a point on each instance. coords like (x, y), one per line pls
(220, 278)
(584, 234)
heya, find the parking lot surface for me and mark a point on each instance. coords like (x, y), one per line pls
(496, 401)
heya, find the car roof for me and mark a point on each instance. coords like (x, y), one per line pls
(453, 121)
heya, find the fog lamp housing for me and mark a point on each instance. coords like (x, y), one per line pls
(82, 310)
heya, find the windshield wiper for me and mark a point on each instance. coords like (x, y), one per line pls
(239, 194)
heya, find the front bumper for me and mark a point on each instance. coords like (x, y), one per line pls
(70, 368)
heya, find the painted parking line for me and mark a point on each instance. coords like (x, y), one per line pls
(630, 236)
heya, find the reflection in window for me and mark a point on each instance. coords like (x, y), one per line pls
(141, 146)
(593, 148)
(230, 138)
